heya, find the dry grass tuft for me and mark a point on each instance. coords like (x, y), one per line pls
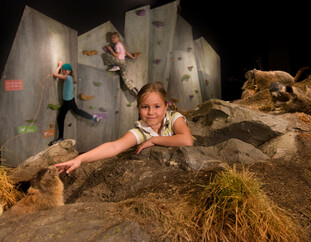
(9, 195)
(164, 217)
(234, 208)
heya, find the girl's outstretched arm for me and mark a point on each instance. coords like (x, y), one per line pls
(104, 151)
(182, 137)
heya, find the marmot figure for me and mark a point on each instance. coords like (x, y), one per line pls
(261, 80)
(45, 192)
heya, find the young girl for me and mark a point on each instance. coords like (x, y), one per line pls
(68, 99)
(156, 127)
(116, 58)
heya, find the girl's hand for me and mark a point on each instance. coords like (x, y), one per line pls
(145, 145)
(68, 166)
(60, 63)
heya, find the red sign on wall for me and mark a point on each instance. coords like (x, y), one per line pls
(13, 85)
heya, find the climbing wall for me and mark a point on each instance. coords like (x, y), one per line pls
(209, 69)
(183, 84)
(101, 98)
(99, 87)
(161, 39)
(136, 35)
(29, 97)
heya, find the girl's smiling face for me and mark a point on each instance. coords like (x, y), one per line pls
(152, 110)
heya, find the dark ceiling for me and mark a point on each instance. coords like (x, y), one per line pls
(241, 33)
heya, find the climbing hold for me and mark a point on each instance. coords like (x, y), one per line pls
(90, 52)
(190, 68)
(191, 96)
(158, 24)
(196, 91)
(101, 115)
(141, 12)
(174, 100)
(102, 109)
(92, 107)
(69, 125)
(185, 77)
(189, 49)
(129, 105)
(159, 42)
(53, 106)
(51, 125)
(86, 98)
(179, 58)
(207, 81)
(97, 84)
(157, 61)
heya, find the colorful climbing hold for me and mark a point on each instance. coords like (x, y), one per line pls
(191, 96)
(86, 98)
(129, 105)
(101, 115)
(196, 91)
(190, 68)
(158, 24)
(97, 84)
(185, 77)
(157, 61)
(90, 52)
(179, 58)
(174, 100)
(92, 107)
(102, 109)
(141, 12)
(53, 106)
(207, 81)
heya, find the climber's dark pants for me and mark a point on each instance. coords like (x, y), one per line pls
(69, 105)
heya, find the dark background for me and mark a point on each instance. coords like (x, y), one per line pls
(254, 34)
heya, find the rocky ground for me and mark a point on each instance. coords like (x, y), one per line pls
(275, 146)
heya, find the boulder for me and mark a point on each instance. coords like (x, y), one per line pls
(57, 153)
(217, 121)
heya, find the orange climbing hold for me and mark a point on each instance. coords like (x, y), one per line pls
(86, 98)
(90, 52)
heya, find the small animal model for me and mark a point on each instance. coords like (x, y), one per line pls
(45, 192)
(261, 80)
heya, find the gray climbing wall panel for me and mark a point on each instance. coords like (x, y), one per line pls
(136, 35)
(40, 42)
(91, 43)
(105, 88)
(208, 62)
(183, 82)
(162, 31)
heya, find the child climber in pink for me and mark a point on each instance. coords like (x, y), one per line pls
(115, 57)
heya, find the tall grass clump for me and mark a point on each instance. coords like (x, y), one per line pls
(234, 208)
(9, 195)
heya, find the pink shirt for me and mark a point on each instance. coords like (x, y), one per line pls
(119, 48)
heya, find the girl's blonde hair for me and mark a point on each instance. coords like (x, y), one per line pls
(151, 87)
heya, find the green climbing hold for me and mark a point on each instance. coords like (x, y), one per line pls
(92, 107)
(97, 84)
(185, 77)
(53, 106)
(129, 105)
